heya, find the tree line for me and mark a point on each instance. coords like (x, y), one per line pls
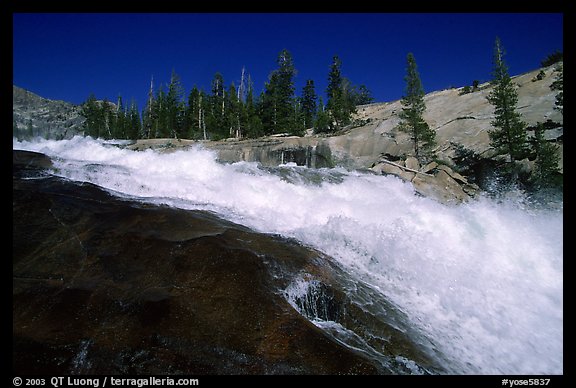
(237, 112)
(233, 111)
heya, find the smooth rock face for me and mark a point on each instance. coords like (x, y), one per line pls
(103, 285)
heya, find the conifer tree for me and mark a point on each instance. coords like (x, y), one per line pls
(253, 121)
(233, 112)
(193, 115)
(297, 122)
(204, 106)
(108, 113)
(94, 120)
(308, 105)
(134, 124)
(349, 96)
(323, 121)
(278, 98)
(509, 133)
(558, 84)
(149, 113)
(161, 122)
(362, 96)
(174, 108)
(341, 102)
(117, 120)
(413, 107)
(335, 104)
(547, 159)
(216, 117)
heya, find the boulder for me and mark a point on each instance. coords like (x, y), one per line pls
(525, 166)
(412, 163)
(441, 187)
(429, 167)
(453, 174)
(390, 169)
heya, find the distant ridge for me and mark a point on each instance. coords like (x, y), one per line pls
(38, 116)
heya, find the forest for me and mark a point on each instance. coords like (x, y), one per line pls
(235, 111)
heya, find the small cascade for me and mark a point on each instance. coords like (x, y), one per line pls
(314, 300)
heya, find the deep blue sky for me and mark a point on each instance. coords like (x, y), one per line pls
(69, 56)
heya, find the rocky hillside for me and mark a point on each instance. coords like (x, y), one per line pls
(43, 117)
(460, 120)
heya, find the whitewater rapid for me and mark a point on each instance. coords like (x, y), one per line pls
(482, 280)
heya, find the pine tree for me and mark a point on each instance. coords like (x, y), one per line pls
(149, 113)
(160, 124)
(268, 105)
(278, 99)
(193, 114)
(134, 125)
(242, 86)
(109, 117)
(297, 122)
(93, 113)
(252, 120)
(552, 58)
(341, 102)
(547, 159)
(216, 115)
(203, 107)
(323, 121)
(362, 96)
(558, 84)
(308, 105)
(174, 107)
(117, 120)
(349, 96)
(335, 103)
(233, 112)
(413, 107)
(509, 133)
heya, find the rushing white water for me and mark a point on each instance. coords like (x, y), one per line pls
(483, 280)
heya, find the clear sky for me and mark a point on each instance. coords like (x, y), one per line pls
(68, 56)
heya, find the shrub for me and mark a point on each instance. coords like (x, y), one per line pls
(465, 90)
(539, 77)
(553, 58)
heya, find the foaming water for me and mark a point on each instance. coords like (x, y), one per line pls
(484, 280)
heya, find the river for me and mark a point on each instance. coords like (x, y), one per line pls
(482, 280)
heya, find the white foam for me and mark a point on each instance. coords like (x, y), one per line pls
(483, 280)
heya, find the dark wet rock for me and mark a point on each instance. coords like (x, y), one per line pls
(103, 285)
(29, 164)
